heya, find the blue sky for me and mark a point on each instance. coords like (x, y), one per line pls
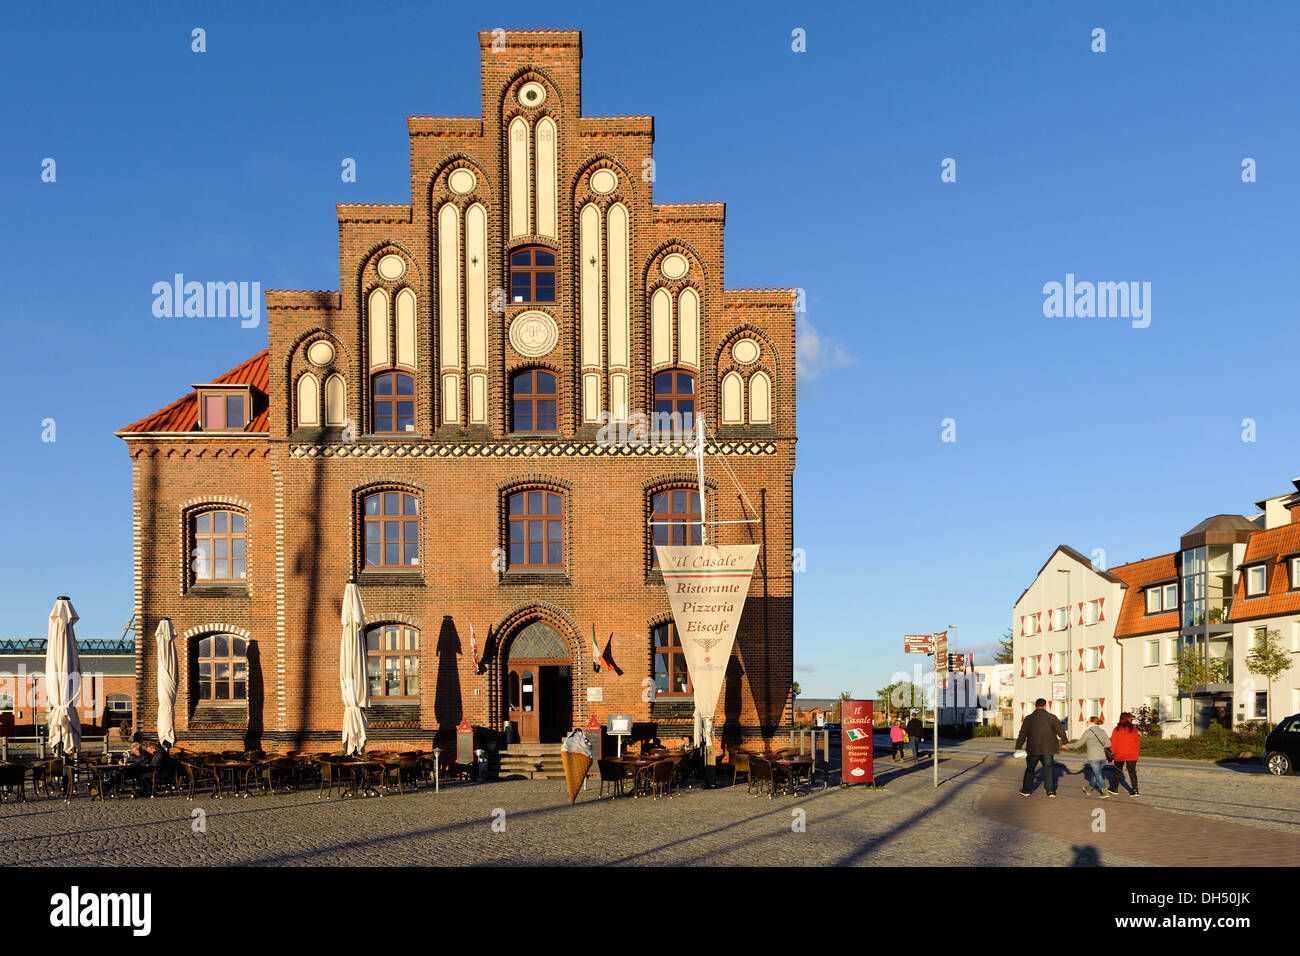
(924, 298)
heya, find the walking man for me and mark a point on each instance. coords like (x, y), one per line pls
(1097, 743)
(1041, 736)
(914, 730)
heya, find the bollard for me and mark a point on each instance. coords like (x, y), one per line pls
(437, 767)
(4, 749)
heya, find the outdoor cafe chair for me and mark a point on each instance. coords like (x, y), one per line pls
(739, 764)
(684, 769)
(331, 776)
(268, 771)
(13, 775)
(403, 770)
(611, 773)
(44, 771)
(200, 775)
(661, 777)
(760, 775)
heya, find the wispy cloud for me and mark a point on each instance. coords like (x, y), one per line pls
(816, 354)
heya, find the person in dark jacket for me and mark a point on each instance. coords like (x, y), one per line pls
(914, 730)
(1041, 736)
(157, 769)
(1126, 744)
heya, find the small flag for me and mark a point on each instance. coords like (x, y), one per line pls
(855, 735)
(473, 644)
(598, 660)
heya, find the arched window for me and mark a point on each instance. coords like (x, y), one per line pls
(308, 400)
(671, 676)
(536, 530)
(223, 668)
(733, 399)
(394, 402)
(675, 396)
(534, 401)
(219, 546)
(392, 661)
(760, 399)
(681, 507)
(392, 534)
(532, 275)
(336, 400)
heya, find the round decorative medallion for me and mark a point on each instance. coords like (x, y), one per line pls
(533, 334)
(532, 94)
(674, 266)
(391, 267)
(461, 181)
(320, 353)
(745, 351)
(603, 181)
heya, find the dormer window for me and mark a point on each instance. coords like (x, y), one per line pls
(224, 409)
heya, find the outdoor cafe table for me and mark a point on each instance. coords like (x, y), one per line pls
(228, 770)
(103, 771)
(795, 767)
(355, 767)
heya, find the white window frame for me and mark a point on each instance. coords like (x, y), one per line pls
(1295, 637)
(1154, 704)
(1091, 611)
(1032, 669)
(1295, 572)
(1153, 646)
(1171, 596)
(1175, 708)
(1154, 599)
(1091, 659)
(1062, 618)
(1030, 621)
(1250, 580)
(1094, 707)
(1058, 708)
(1173, 649)
(1058, 662)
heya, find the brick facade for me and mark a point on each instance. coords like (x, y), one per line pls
(299, 484)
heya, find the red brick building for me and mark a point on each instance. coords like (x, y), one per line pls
(439, 430)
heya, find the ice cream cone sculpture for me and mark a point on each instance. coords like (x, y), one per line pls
(575, 770)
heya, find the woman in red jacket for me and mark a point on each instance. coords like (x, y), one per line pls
(1125, 744)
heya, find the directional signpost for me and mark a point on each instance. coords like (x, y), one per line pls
(940, 688)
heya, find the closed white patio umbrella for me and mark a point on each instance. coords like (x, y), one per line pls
(63, 677)
(164, 636)
(352, 671)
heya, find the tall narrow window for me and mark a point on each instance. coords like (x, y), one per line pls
(392, 535)
(681, 508)
(675, 397)
(219, 546)
(534, 401)
(536, 530)
(532, 275)
(392, 661)
(671, 676)
(223, 668)
(394, 402)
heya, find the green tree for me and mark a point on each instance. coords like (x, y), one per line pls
(844, 695)
(1193, 671)
(795, 689)
(1005, 654)
(1270, 661)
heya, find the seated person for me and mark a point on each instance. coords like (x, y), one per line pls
(157, 769)
(136, 759)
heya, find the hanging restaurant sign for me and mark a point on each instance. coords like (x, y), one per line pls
(707, 585)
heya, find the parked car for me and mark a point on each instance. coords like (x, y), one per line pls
(1282, 747)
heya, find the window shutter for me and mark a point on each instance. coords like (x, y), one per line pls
(1101, 710)
(1101, 609)
(1101, 658)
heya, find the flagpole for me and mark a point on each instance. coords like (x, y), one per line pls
(699, 473)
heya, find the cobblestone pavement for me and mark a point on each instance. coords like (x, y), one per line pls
(907, 823)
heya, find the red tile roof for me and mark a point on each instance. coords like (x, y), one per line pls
(182, 415)
(1270, 548)
(1133, 618)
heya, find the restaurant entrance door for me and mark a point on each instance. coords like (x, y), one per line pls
(539, 685)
